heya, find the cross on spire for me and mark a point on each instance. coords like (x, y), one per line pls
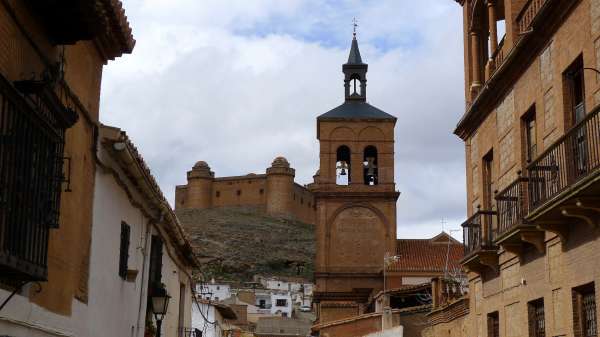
(354, 25)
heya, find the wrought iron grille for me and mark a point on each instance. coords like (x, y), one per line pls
(512, 205)
(31, 157)
(537, 323)
(588, 303)
(479, 231)
(570, 159)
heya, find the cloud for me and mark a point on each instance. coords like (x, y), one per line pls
(236, 83)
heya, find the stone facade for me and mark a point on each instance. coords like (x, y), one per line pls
(30, 47)
(544, 258)
(274, 192)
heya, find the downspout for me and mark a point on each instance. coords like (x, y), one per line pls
(140, 324)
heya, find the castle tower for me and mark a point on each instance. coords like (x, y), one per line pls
(280, 184)
(198, 193)
(355, 196)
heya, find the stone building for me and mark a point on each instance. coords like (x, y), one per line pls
(51, 60)
(533, 167)
(274, 192)
(355, 198)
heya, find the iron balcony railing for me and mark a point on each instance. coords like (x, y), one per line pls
(189, 332)
(571, 158)
(479, 232)
(529, 12)
(31, 157)
(512, 205)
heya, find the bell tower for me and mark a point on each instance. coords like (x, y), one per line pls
(355, 197)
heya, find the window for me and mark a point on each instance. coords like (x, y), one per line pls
(218, 194)
(124, 249)
(218, 288)
(261, 191)
(584, 311)
(493, 324)
(262, 304)
(155, 271)
(239, 192)
(529, 135)
(32, 130)
(281, 302)
(575, 91)
(342, 166)
(537, 323)
(370, 175)
(488, 180)
(301, 201)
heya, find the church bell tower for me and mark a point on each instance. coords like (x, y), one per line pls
(355, 197)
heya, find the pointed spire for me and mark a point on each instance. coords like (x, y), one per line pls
(354, 57)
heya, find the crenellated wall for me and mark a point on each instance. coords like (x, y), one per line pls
(274, 192)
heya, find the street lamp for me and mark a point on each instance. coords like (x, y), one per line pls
(160, 303)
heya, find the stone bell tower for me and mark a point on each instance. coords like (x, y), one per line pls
(355, 197)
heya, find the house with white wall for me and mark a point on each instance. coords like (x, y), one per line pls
(137, 246)
(281, 304)
(214, 291)
(210, 318)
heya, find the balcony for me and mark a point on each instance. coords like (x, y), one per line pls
(564, 181)
(528, 14)
(514, 232)
(478, 242)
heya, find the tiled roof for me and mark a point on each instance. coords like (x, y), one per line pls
(428, 255)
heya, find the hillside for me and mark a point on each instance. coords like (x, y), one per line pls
(236, 243)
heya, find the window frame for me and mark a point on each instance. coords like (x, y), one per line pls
(124, 249)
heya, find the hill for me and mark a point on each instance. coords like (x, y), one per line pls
(235, 243)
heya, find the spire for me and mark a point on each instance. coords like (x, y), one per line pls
(354, 57)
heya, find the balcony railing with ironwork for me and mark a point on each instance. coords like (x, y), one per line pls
(571, 158)
(512, 205)
(529, 12)
(479, 232)
(31, 158)
(189, 332)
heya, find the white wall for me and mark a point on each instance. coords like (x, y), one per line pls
(107, 290)
(208, 320)
(280, 310)
(214, 291)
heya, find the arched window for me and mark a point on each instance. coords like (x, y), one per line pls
(370, 169)
(355, 85)
(342, 166)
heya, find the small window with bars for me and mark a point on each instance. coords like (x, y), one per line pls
(584, 311)
(537, 323)
(124, 250)
(493, 324)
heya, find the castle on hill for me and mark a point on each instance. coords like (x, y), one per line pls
(274, 193)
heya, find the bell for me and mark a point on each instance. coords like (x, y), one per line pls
(343, 173)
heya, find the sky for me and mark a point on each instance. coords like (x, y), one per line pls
(237, 83)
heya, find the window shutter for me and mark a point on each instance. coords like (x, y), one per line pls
(124, 250)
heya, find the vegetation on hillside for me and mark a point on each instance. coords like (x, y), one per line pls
(235, 243)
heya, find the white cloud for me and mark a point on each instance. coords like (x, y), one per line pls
(236, 83)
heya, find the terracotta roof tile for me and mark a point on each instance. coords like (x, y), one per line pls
(428, 255)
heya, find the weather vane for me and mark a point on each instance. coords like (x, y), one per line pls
(354, 24)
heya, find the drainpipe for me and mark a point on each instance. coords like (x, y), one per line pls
(142, 324)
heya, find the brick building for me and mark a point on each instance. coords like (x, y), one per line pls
(273, 192)
(532, 141)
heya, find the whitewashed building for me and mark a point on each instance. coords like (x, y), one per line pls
(137, 246)
(214, 291)
(209, 319)
(281, 304)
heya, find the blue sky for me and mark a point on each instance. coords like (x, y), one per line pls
(237, 83)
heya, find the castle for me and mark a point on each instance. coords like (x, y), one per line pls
(274, 192)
